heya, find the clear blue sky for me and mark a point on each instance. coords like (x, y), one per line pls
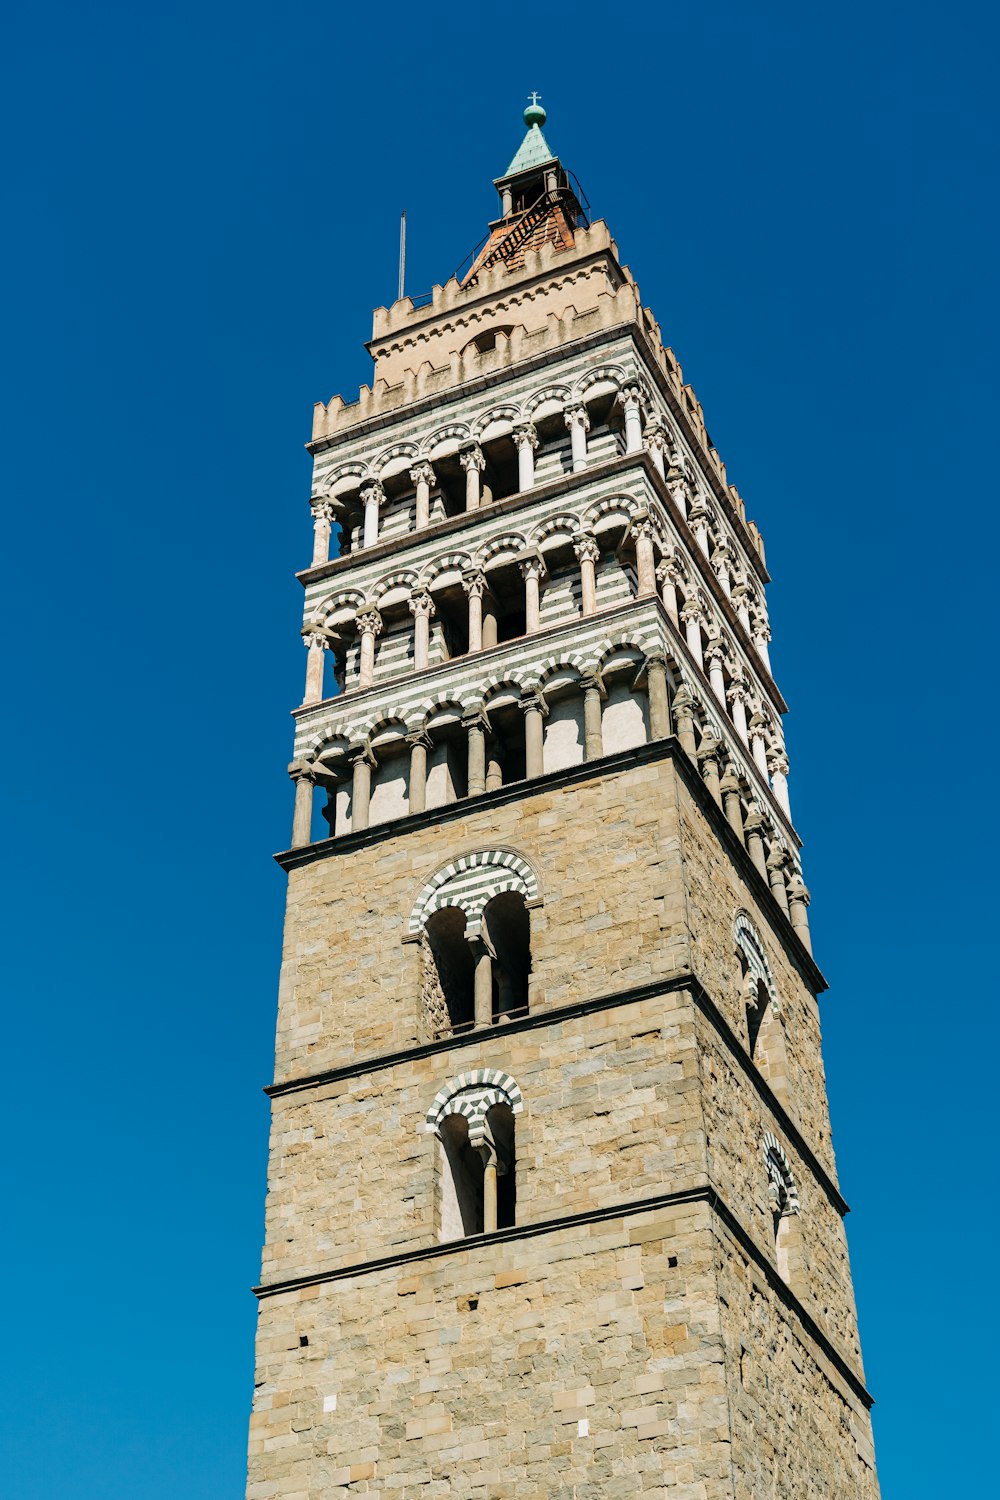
(203, 205)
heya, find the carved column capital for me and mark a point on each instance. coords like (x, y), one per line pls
(525, 436)
(577, 416)
(797, 890)
(532, 565)
(421, 604)
(422, 473)
(323, 508)
(630, 394)
(778, 858)
(474, 583)
(369, 621)
(471, 457)
(372, 490)
(587, 548)
(303, 770)
(692, 613)
(533, 702)
(777, 763)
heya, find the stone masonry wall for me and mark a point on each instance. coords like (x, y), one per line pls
(798, 1431)
(350, 986)
(715, 892)
(611, 1114)
(467, 1377)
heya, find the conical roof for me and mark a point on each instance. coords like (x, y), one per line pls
(533, 152)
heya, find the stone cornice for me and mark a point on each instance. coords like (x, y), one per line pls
(702, 1194)
(621, 760)
(556, 1015)
(396, 547)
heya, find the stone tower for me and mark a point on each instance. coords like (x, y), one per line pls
(552, 1207)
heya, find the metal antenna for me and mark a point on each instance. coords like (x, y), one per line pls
(402, 252)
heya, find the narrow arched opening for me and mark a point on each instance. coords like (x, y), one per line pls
(461, 1207)
(449, 973)
(508, 929)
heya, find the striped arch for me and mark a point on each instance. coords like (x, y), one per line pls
(338, 608)
(610, 376)
(780, 1176)
(510, 544)
(405, 579)
(614, 507)
(749, 943)
(559, 395)
(452, 562)
(398, 450)
(470, 883)
(347, 477)
(445, 440)
(561, 525)
(473, 1095)
(503, 416)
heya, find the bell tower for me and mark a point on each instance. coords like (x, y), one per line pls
(552, 1204)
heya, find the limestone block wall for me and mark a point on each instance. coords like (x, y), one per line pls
(735, 1120)
(797, 1428)
(715, 892)
(611, 1115)
(588, 1361)
(350, 986)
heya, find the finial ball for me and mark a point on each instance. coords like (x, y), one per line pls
(534, 114)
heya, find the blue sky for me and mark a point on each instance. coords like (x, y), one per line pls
(204, 206)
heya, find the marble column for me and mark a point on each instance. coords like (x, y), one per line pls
(776, 862)
(758, 741)
(483, 981)
(473, 462)
(655, 443)
(475, 726)
(532, 571)
(323, 514)
(362, 761)
(755, 843)
(587, 552)
(578, 423)
(699, 517)
(721, 561)
(526, 439)
(777, 764)
(419, 742)
(642, 533)
(741, 602)
(693, 615)
(678, 488)
(730, 788)
(491, 621)
(659, 699)
(668, 577)
(737, 696)
(370, 628)
(372, 495)
(304, 777)
(798, 901)
(422, 609)
(684, 705)
(533, 706)
(709, 753)
(631, 401)
(715, 656)
(474, 584)
(422, 479)
(761, 636)
(490, 1194)
(593, 739)
(316, 643)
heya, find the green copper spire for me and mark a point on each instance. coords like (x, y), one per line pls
(534, 149)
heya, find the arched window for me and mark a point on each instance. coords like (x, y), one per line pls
(473, 1120)
(474, 926)
(765, 1031)
(783, 1202)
